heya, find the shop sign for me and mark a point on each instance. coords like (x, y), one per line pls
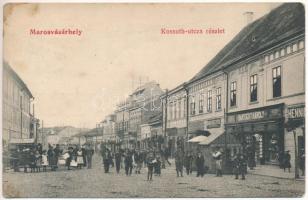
(296, 112)
(213, 123)
(250, 116)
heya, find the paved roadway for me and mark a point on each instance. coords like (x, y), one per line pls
(95, 183)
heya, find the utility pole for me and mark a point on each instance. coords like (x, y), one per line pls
(43, 135)
(187, 111)
(166, 118)
(21, 117)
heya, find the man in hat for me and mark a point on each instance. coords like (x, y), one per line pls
(179, 162)
(200, 164)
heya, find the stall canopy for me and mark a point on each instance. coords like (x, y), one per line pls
(198, 139)
(208, 140)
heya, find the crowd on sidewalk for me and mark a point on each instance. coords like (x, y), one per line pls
(154, 159)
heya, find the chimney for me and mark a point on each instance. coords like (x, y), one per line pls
(248, 17)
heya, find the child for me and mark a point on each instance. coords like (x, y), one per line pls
(44, 160)
(157, 166)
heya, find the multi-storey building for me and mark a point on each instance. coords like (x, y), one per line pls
(175, 117)
(143, 103)
(16, 104)
(251, 95)
(122, 121)
(109, 132)
(266, 83)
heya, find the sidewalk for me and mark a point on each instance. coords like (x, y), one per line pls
(274, 171)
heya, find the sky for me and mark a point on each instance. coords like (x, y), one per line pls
(78, 80)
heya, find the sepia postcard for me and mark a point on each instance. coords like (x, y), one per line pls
(153, 100)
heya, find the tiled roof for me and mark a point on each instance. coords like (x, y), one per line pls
(282, 23)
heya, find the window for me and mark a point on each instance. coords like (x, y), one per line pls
(277, 81)
(209, 101)
(175, 109)
(218, 99)
(201, 103)
(282, 52)
(277, 54)
(179, 107)
(185, 107)
(170, 111)
(233, 94)
(288, 49)
(301, 45)
(253, 88)
(192, 106)
(271, 57)
(294, 47)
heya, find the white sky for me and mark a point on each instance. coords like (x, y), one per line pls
(78, 80)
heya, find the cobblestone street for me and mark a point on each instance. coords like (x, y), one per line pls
(95, 183)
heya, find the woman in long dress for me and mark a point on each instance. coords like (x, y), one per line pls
(80, 162)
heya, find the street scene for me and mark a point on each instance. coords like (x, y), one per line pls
(95, 183)
(168, 102)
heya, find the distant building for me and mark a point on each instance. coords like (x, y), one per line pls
(143, 103)
(152, 133)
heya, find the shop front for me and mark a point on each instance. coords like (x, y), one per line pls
(295, 137)
(260, 132)
(175, 139)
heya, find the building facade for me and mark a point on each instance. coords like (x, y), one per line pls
(16, 105)
(143, 103)
(174, 111)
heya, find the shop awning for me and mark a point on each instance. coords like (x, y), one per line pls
(22, 140)
(198, 139)
(208, 140)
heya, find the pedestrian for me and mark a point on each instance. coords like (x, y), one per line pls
(138, 160)
(239, 166)
(128, 162)
(188, 163)
(200, 164)
(32, 161)
(58, 152)
(38, 161)
(84, 155)
(302, 161)
(167, 154)
(179, 162)
(157, 166)
(150, 164)
(286, 162)
(281, 159)
(217, 155)
(89, 151)
(52, 159)
(118, 159)
(69, 158)
(44, 160)
(106, 159)
(251, 157)
(79, 158)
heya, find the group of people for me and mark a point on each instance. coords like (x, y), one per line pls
(186, 160)
(134, 159)
(36, 158)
